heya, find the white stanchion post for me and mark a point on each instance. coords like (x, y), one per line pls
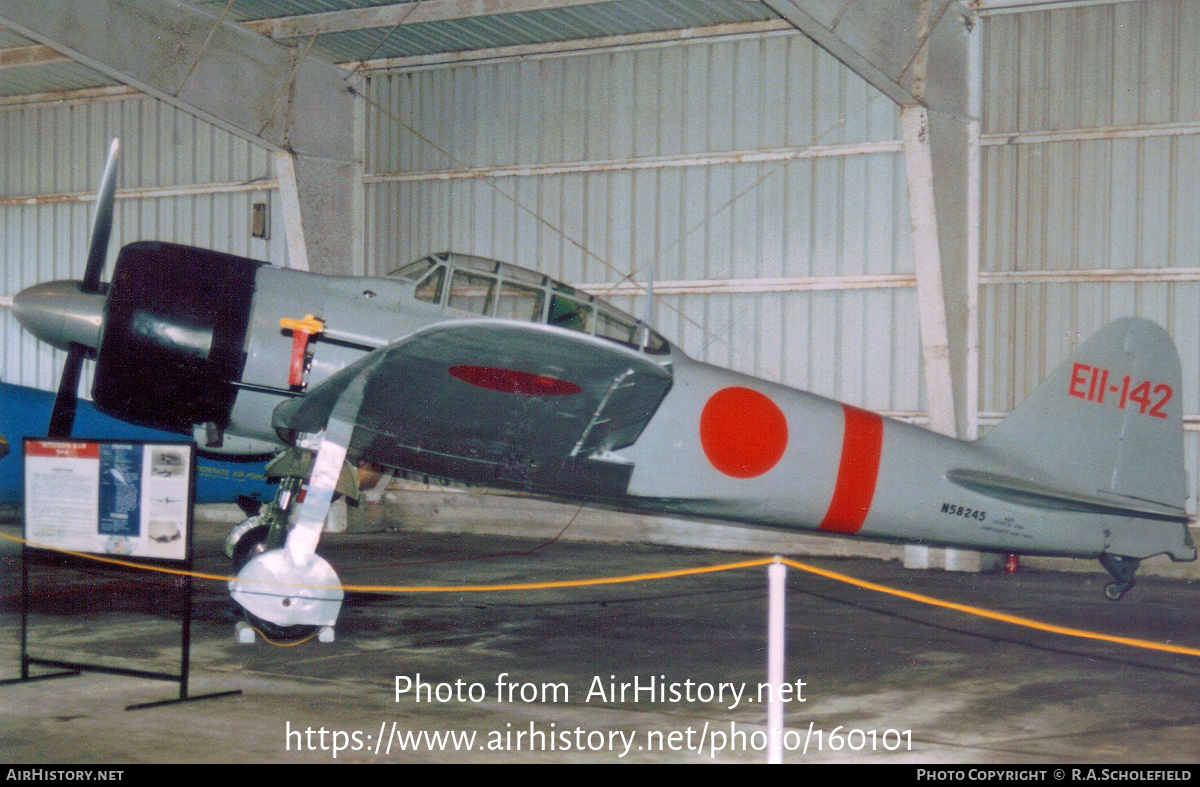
(776, 580)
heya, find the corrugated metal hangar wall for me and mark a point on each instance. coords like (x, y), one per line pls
(181, 180)
(599, 167)
(759, 182)
(1091, 190)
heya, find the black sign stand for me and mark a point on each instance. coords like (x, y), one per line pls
(70, 668)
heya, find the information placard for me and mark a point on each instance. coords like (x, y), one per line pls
(109, 498)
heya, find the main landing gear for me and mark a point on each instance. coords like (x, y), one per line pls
(255, 536)
(286, 591)
(1122, 569)
(287, 584)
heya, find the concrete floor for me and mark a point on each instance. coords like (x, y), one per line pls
(962, 690)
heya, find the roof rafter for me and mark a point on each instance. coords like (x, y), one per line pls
(207, 66)
(913, 51)
(411, 13)
(38, 55)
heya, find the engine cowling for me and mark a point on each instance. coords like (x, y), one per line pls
(174, 333)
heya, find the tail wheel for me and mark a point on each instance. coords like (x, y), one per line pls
(1122, 569)
(1113, 591)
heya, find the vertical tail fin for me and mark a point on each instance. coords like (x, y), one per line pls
(1108, 420)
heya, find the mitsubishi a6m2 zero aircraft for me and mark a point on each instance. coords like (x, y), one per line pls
(485, 373)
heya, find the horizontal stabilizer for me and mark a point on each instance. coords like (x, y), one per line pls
(1034, 495)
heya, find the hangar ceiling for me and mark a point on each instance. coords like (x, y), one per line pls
(880, 40)
(374, 32)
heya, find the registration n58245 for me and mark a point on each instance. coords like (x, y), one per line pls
(964, 511)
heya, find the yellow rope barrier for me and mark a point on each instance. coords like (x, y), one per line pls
(1002, 617)
(569, 583)
(117, 562)
(991, 615)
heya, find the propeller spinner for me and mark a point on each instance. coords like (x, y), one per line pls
(69, 314)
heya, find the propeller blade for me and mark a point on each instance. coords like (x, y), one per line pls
(62, 417)
(649, 307)
(102, 224)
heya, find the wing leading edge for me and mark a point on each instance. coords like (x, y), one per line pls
(499, 403)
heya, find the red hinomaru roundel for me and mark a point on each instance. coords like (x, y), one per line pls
(513, 381)
(743, 432)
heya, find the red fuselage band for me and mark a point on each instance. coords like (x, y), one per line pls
(858, 470)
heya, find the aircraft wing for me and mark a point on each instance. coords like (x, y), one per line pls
(502, 403)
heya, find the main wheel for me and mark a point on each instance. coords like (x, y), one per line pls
(253, 543)
(276, 634)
